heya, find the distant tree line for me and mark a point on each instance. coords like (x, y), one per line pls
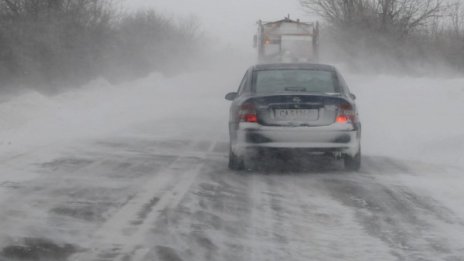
(386, 34)
(55, 43)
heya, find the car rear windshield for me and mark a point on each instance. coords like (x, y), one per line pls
(312, 81)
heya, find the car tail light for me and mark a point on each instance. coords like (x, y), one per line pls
(346, 114)
(247, 113)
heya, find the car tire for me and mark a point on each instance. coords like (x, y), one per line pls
(235, 162)
(353, 163)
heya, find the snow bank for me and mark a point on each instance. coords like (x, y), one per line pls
(412, 118)
(409, 118)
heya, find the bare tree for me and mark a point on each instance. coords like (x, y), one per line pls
(403, 34)
(55, 42)
(399, 16)
(456, 15)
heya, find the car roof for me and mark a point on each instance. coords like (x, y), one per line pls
(290, 66)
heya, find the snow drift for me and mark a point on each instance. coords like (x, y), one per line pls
(403, 117)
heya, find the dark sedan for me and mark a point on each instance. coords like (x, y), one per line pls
(305, 107)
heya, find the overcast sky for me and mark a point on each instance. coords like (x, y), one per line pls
(233, 21)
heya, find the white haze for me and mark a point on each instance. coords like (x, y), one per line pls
(232, 22)
(403, 117)
(406, 119)
(415, 120)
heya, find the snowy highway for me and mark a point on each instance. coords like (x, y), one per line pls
(142, 175)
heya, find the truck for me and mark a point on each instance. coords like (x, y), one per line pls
(287, 40)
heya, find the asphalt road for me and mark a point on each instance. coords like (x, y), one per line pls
(136, 197)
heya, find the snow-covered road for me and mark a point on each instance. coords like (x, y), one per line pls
(139, 172)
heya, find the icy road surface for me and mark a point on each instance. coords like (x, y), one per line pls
(139, 172)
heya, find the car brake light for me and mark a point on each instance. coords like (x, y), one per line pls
(250, 118)
(342, 119)
(346, 114)
(247, 113)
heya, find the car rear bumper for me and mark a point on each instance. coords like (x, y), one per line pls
(336, 138)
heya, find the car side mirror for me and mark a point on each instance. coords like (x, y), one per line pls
(353, 96)
(231, 96)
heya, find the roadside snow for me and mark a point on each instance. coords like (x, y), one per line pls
(33, 120)
(403, 117)
(412, 118)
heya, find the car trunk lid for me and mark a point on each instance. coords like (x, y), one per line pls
(297, 110)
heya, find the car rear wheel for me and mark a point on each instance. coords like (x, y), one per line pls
(353, 163)
(235, 162)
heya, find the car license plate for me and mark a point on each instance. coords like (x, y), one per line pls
(297, 114)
